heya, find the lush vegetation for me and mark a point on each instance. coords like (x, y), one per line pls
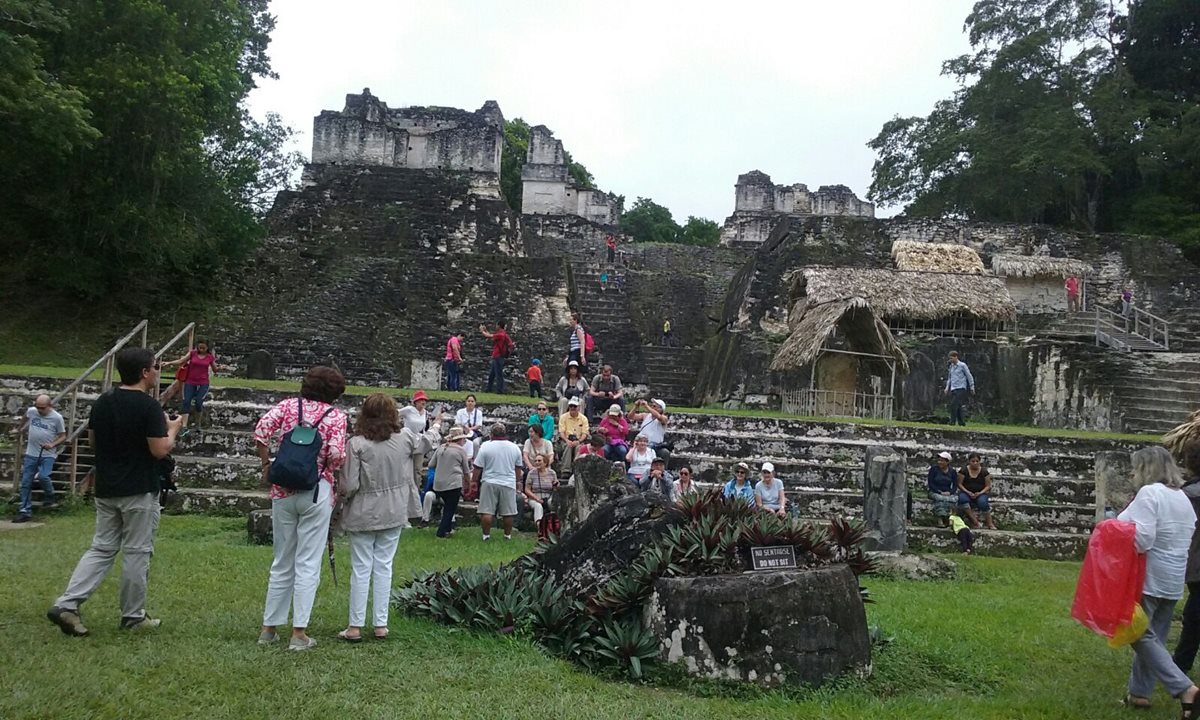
(996, 643)
(1077, 113)
(130, 164)
(712, 536)
(647, 221)
(516, 147)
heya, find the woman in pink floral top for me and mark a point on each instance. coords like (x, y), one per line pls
(298, 524)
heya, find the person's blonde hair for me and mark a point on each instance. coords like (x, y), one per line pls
(1155, 465)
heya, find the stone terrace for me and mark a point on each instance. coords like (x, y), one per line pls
(1043, 489)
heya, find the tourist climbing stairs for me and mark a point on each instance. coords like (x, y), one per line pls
(606, 316)
(671, 373)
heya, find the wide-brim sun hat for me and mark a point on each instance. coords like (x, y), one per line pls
(456, 433)
(614, 409)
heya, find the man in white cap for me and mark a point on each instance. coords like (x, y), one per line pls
(572, 432)
(768, 492)
(942, 483)
(654, 419)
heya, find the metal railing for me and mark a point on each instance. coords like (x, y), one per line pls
(838, 403)
(1137, 323)
(74, 423)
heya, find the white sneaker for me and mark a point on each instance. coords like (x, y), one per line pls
(508, 537)
(487, 537)
(307, 643)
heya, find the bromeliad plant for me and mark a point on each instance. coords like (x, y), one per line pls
(712, 536)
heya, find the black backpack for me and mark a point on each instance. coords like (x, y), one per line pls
(295, 465)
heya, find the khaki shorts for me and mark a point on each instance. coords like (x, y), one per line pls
(497, 500)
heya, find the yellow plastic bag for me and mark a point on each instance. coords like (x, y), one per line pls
(1126, 634)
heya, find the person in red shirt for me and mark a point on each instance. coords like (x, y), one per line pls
(502, 347)
(199, 364)
(611, 244)
(534, 376)
(453, 362)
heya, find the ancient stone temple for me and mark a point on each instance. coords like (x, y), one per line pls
(547, 187)
(759, 204)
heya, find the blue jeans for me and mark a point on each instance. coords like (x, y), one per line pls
(450, 500)
(41, 466)
(193, 394)
(453, 380)
(980, 503)
(496, 375)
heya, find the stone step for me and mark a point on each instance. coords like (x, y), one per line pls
(1166, 408)
(802, 474)
(1004, 543)
(1151, 425)
(1052, 518)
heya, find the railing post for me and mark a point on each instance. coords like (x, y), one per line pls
(74, 466)
(145, 332)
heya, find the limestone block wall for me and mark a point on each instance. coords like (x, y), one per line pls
(547, 188)
(1037, 295)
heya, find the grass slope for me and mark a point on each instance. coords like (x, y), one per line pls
(70, 373)
(998, 643)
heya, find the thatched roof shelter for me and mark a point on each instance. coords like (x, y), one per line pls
(1039, 266)
(899, 294)
(936, 257)
(863, 330)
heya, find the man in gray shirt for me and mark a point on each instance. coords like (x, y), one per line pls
(959, 384)
(47, 433)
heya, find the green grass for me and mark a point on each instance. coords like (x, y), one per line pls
(70, 373)
(998, 643)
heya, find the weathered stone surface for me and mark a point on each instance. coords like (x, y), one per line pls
(260, 365)
(1114, 482)
(776, 628)
(885, 498)
(1004, 543)
(608, 540)
(258, 527)
(596, 482)
(911, 566)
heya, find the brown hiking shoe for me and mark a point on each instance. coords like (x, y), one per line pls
(68, 621)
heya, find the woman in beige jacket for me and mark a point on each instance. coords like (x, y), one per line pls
(379, 500)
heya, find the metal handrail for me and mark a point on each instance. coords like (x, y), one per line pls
(1120, 322)
(104, 359)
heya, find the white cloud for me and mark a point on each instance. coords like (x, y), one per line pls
(659, 99)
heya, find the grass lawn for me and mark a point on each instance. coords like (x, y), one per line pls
(998, 643)
(70, 373)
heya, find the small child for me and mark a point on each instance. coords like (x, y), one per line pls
(534, 375)
(604, 280)
(965, 540)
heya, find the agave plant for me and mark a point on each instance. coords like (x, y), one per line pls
(622, 593)
(845, 532)
(627, 642)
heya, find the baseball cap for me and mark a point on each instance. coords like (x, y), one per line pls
(658, 461)
(420, 395)
(573, 362)
(768, 467)
(573, 401)
(945, 455)
(614, 409)
(662, 405)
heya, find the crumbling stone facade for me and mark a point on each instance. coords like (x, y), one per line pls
(547, 187)
(367, 132)
(760, 204)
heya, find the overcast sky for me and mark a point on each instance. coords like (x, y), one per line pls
(667, 100)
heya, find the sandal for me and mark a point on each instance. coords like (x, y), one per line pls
(1136, 702)
(345, 635)
(1187, 711)
(381, 635)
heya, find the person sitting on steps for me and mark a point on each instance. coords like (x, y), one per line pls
(974, 485)
(942, 484)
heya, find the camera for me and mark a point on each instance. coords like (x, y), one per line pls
(572, 437)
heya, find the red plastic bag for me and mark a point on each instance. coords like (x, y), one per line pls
(1110, 582)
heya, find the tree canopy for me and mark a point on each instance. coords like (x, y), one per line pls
(1077, 113)
(130, 163)
(647, 221)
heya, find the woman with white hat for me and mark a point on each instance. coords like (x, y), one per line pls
(570, 385)
(942, 484)
(739, 487)
(451, 466)
(768, 492)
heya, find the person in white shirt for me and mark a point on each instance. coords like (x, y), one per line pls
(654, 419)
(497, 471)
(638, 461)
(414, 418)
(1165, 522)
(471, 418)
(768, 492)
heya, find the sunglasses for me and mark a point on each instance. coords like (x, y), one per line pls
(739, 472)
(685, 472)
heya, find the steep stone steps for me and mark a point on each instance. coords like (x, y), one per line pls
(1004, 543)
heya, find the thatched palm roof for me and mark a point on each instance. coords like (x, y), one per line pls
(936, 257)
(863, 330)
(1039, 266)
(901, 294)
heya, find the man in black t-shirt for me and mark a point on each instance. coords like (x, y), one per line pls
(129, 434)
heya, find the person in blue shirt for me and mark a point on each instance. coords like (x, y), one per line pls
(739, 487)
(942, 483)
(959, 384)
(544, 418)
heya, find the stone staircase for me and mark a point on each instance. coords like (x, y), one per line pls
(671, 373)
(1043, 487)
(1161, 393)
(606, 315)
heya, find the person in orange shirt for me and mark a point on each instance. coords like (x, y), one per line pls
(534, 375)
